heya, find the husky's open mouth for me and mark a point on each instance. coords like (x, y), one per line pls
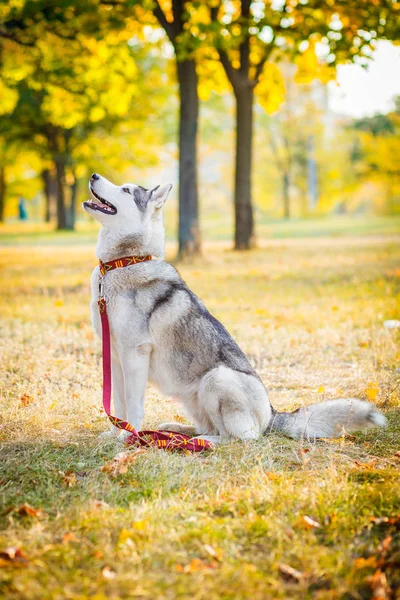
(100, 204)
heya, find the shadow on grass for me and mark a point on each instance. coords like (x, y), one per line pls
(56, 475)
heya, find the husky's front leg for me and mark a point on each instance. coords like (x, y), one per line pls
(135, 367)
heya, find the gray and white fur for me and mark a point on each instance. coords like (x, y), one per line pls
(161, 332)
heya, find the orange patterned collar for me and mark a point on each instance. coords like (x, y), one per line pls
(126, 261)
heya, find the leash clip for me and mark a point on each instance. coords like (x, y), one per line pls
(101, 288)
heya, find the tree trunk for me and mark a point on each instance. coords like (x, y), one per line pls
(244, 223)
(60, 195)
(72, 207)
(286, 195)
(3, 185)
(189, 232)
(50, 192)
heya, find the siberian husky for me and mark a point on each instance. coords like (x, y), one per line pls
(161, 332)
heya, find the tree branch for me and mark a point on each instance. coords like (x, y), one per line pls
(263, 60)
(170, 28)
(231, 73)
(214, 12)
(244, 49)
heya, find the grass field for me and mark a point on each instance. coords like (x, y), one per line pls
(275, 518)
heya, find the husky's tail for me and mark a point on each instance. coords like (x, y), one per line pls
(327, 419)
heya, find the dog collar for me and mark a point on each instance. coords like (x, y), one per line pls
(118, 263)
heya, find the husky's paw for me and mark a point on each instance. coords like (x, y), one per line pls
(178, 428)
(123, 436)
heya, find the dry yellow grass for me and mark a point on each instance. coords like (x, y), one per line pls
(310, 314)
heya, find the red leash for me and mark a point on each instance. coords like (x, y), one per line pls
(167, 440)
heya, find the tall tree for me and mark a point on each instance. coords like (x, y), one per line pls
(68, 91)
(247, 34)
(175, 27)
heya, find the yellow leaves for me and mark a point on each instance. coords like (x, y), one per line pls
(310, 67)
(97, 113)
(62, 107)
(125, 537)
(372, 391)
(211, 76)
(270, 90)
(9, 98)
(321, 389)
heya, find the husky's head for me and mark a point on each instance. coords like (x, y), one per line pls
(131, 217)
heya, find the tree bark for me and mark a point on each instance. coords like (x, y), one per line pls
(244, 220)
(286, 195)
(73, 187)
(188, 228)
(50, 192)
(3, 185)
(62, 221)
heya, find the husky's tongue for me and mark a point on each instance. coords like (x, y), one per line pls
(97, 203)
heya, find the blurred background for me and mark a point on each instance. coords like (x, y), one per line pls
(271, 118)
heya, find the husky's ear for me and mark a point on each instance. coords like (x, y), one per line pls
(159, 194)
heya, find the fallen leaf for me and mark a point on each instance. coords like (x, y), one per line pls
(309, 523)
(120, 464)
(372, 391)
(59, 303)
(385, 544)
(321, 389)
(108, 573)
(271, 475)
(196, 565)
(100, 504)
(13, 556)
(26, 399)
(215, 553)
(290, 573)
(25, 510)
(68, 537)
(395, 520)
(363, 563)
(69, 478)
(369, 465)
(379, 586)
(125, 536)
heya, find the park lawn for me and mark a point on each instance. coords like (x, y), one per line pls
(233, 523)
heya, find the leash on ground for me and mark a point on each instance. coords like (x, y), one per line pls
(165, 440)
